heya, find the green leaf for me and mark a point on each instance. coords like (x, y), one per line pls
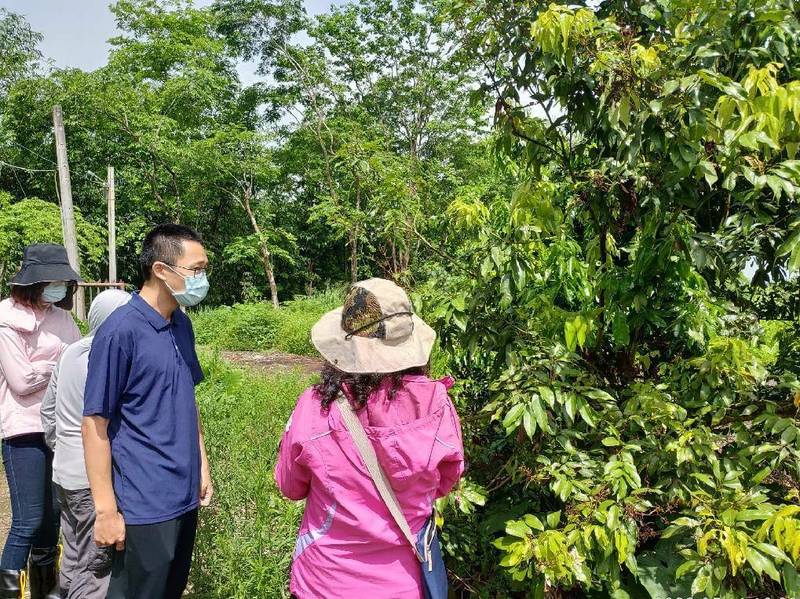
(533, 522)
(730, 181)
(612, 517)
(701, 581)
(553, 518)
(570, 335)
(704, 478)
(588, 415)
(773, 551)
(518, 273)
(752, 515)
(517, 528)
(460, 321)
(576, 331)
(708, 171)
(791, 581)
(761, 475)
(539, 414)
(670, 87)
(792, 247)
(528, 422)
(761, 564)
(620, 330)
(625, 111)
(655, 106)
(513, 416)
(571, 406)
(546, 393)
(685, 568)
(505, 543)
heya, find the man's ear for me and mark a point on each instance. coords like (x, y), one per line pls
(158, 270)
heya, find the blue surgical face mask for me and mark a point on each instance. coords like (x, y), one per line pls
(54, 292)
(195, 291)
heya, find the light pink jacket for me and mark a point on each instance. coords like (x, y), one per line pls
(30, 344)
(348, 545)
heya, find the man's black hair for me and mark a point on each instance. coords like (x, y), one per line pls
(164, 244)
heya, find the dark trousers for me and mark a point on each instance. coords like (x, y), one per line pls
(156, 560)
(85, 567)
(34, 509)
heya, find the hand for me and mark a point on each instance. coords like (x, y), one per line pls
(206, 487)
(109, 529)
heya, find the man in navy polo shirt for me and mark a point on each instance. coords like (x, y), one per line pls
(143, 442)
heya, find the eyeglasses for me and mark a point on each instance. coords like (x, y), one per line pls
(196, 272)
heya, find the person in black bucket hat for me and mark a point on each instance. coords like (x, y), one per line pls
(44, 263)
(35, 327)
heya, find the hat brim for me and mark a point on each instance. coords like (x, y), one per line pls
(45, 273)
(371, 355)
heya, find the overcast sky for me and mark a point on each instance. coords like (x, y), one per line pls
(75, 31)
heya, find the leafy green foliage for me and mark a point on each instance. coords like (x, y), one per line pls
(260, 327)
(36, 221)
(18, 52)
(629, 400)
(634, 398)
(246, 538)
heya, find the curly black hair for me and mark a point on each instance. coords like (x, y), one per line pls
(361, 386)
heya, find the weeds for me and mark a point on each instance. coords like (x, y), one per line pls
(246, 538)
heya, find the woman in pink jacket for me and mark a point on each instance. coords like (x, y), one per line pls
(349, 544)
(33, 333)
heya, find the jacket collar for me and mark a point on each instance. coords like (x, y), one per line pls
(150, 314)
(18, 317)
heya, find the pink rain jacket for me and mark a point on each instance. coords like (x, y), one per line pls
(348, 545)
(30, 344)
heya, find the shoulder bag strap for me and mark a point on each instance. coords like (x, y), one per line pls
(367, 452)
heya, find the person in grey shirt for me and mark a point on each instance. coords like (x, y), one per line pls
(85, 568)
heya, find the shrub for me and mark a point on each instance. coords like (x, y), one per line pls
(260, 327)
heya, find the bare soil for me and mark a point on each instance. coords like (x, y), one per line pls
(274, 361)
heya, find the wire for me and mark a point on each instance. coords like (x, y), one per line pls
(28, 170)
(35, 153)
(88, 172)
(84, 174)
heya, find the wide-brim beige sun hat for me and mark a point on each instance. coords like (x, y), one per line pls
(374, 332)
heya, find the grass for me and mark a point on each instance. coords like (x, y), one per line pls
(246, 538)
(260, 327)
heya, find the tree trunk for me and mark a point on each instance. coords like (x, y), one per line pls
(354, 236)
(265, 255)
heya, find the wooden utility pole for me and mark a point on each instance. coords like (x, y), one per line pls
(112, 227)
(67, 211)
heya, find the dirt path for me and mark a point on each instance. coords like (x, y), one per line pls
(274, 361)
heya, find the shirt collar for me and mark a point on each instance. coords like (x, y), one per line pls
(150, 314)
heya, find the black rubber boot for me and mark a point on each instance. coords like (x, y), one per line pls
(43, 574)
(11, 584)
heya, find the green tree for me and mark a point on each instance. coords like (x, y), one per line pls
(19, 54)
(169, 92)
(648, 439)
(36, 221)
(379, 92)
